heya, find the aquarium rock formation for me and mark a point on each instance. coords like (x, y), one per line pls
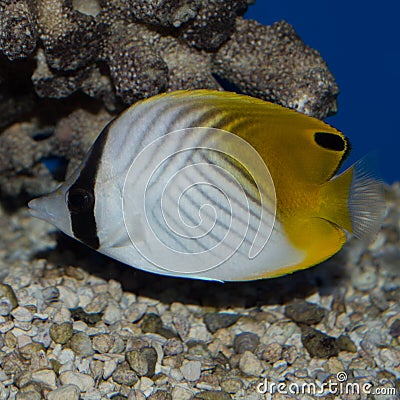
(60, 59)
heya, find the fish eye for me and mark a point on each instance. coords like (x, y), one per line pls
(79, 200)
(330, 141)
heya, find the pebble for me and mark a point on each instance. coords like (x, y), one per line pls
(50, 294)
(136, 395)
(112, 314)
(143, 361)
(198, 348)
(103, 343)
(118, 345)
(28, 395)
(65, 356)
(173, 347)
(395, 328)
(92, 394)
(231, 385)
(67, 392)
(97, 305)
(215, 321)
(346, 344)
(146, 385)
(90, 319)
(365, 280)
(5, 307)
(151, 323)
(68, 297)
(23, 340)
(172, 361)
(272, 352)
(61, 333)
(392, 293)
(82, 381)
(198, 331)
(6, 326)
(135, 312)
(176, 374)
(76, 273)
(191, 370)
(82, 364)
(46, 377)
(160, 395)
(81, 344)
(334, 365)
(249, 324)
(390, 259)
(181, 393)
(301, 311)
(22, 314)
(7, 294)
(250, 365)
(212, 395)
(391, 359)
(59, 315)
(125, 376)
(379, 300)
(31, 348)
(106, 368)
(39, 360)
(246, 341)
(23, 378)
(115, 290)
(280, 332)
(181, 325)
(319, 344)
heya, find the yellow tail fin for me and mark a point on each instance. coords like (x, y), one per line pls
(355, 201)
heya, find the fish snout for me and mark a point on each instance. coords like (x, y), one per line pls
(51, 208)
(35, 208)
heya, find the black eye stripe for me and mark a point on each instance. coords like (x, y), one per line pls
(83, 221)
(330, 141)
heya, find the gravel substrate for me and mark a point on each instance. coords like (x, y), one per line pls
(74, 324)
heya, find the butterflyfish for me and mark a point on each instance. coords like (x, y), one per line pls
(217, 186)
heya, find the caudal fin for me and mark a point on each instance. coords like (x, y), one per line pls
(355, 201)
(366, 201)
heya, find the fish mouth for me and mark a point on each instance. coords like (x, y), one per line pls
(35, 209)
(52, 209)
(49, 208)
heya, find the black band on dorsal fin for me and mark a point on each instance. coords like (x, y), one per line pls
(83, 223)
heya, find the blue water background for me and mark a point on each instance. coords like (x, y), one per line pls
(360, 41)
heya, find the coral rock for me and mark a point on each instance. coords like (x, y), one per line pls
(18, 34)
(213, 24)
(53, 84)
(166, 13)
(272, 62)
(70, 38)
(136, 68)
